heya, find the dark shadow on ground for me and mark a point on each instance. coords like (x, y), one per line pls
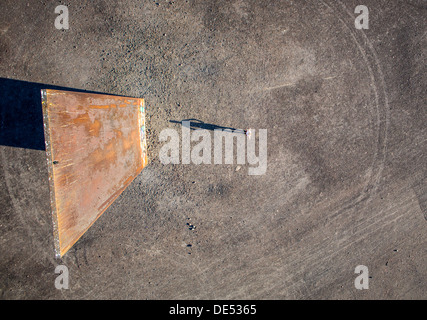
(198, 124)
(21, 116)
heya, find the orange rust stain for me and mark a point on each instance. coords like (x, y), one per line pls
(92, 106)
(109, 106)
(130, 140)
(102, 158)
(118, 133)
(108, 155)
(128, 180)
(66, 221)
(93, 128)
(65, 177)
(110, 152)
(88, 198)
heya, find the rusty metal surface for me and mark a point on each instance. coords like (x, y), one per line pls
(95, 146)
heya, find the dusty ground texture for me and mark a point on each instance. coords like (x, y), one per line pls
(346, 182)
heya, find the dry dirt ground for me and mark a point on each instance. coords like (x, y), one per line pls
(346, 182)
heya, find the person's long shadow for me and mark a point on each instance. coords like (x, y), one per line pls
(198, 124)
(21, 115)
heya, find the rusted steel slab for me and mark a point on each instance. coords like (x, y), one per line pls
(95, 146)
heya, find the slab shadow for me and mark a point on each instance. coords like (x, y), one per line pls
(21, 116)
